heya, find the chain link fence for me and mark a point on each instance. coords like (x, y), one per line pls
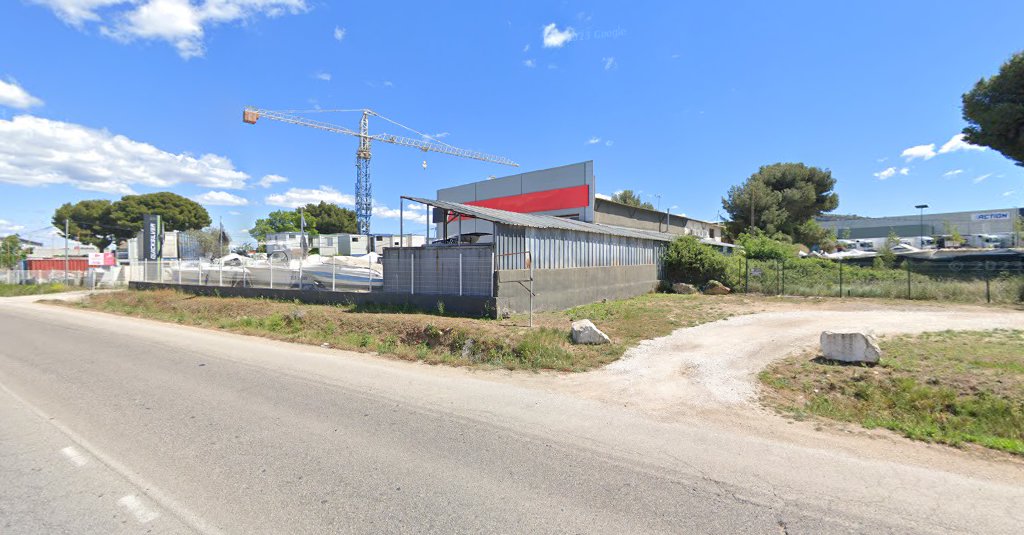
(967, 281)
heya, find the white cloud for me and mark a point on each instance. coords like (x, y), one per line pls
(981, 178)
(594, 140)
(609, 143)
(952, 173)
(956, 143)
(886, 173)
(181, 23)
(339, 33)
(526, 47)
(603, 196)
(609, 63)
(905, 171)
(269, 180)
(295, 197)
(220, 198)
(13, 96)
(555, 38)
(77, 12)
(36, 151)
(1009, 193)
(325, 76)
(435, 137)
(920, 151)
(411, 216)
(388, 83)
(529, 63)
(235, 213)
(7, 227)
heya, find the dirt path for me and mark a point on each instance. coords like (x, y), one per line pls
(714, 366)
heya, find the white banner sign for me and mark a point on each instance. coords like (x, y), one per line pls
(991, 216)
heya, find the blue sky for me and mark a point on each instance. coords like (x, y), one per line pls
(103, 97)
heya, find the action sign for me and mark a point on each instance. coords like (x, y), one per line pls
(991, 216)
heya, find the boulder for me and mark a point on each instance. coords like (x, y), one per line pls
(585, 332)
(850, 347)
(683, 288)
(716, 288)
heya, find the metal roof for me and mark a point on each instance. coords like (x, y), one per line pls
(542, 221)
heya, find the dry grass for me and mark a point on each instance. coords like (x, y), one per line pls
(12, 290)
(951, 387)
(432, 338)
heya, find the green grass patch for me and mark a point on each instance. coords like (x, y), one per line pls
(951, 387)
(13, 290)
(430, 337)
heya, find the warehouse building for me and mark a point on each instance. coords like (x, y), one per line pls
(1000, 222)
(566, 192)
(559, 262)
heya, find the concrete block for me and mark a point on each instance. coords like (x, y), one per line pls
(850, 347)
(585, 332)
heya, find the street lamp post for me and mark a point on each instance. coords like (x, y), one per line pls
(921, 207)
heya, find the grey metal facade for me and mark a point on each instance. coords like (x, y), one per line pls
(997, 221)
(567, 249)
(466, 270)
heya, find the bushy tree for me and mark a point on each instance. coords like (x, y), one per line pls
(688, 260)
(176, 213)
(627, 196)
(994, 110)
(88, 222)
(760, 246)
(332, 219)
(782, 197)
(100, 222)
(11, 252)
(282, 221)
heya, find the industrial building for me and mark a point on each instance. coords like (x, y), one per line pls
(566, 192)
(529, 261)
(1001, 223)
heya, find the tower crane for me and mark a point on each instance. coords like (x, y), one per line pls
(363, 191)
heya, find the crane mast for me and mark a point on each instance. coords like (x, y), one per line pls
(364, 188)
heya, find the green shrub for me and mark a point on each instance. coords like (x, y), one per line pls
(688, 260)
(760, 246)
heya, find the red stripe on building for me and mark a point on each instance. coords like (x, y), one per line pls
(540, 201)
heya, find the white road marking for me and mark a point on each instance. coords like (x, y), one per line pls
(142, 513)
(75, 456)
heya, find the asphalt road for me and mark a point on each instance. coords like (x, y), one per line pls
(120, 425)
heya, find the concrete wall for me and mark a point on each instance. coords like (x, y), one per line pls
(622, 215)
(558, 289)
(478, 306)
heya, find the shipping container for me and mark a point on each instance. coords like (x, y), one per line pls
(56, 264)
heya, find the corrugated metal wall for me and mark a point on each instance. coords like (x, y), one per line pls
(566, 249)
(446, 270)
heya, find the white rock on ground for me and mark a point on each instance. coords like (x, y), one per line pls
(850, 347)
(585, 332)
(683, 288)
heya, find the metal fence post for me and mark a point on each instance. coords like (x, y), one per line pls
(412, 274)
(840, 278)
(988, 292)
(746, 281)
(334, 275)
(199, 263)
(179, 272)
(269, 261)
(460, 273)
(492, 273)
(907, 262)
(783, 291)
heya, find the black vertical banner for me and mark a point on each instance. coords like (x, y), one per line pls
(151, 234)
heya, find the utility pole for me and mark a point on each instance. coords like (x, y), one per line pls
(921, 207)
(66, 225)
